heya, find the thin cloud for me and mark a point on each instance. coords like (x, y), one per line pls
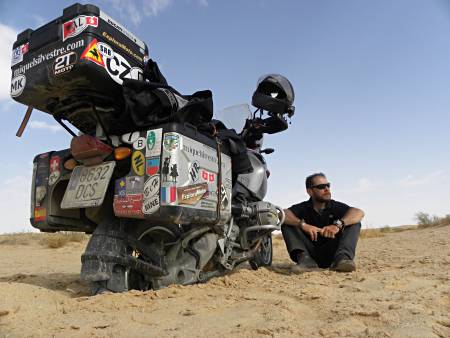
(365, 185)
(7, 37)
(414, 181)
(203, 3)
(44, 125)
(153, 7)
(136, 11)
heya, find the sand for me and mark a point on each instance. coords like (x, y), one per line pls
(400, 289)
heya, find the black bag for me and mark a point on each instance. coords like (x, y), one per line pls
(152, 103)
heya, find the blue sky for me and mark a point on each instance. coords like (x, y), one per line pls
(372, 82)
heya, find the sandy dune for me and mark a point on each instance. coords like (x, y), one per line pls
(401, 289)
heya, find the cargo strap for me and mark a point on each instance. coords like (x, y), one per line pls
(219, 175)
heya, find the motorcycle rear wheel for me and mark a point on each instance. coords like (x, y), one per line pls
(264, 255)
(124, 278)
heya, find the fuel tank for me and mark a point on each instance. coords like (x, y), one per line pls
(255, 182)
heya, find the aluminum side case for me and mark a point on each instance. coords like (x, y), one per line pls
(174, 177)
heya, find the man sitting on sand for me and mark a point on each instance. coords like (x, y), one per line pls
(322, 232)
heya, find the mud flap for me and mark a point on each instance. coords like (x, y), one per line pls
(107, 257)
(106, 243)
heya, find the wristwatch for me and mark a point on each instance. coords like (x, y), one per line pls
(339, 223)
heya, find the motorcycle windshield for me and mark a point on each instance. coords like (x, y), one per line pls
(234, 116)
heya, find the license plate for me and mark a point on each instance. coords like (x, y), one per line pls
(87, 186)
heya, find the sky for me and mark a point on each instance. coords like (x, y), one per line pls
(371, 78)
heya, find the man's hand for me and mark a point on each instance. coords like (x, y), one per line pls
(312, 231)
(330, 231)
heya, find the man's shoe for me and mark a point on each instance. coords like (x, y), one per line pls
(305, 263)
(344, 265)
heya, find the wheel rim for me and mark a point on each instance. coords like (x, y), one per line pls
(266, 250)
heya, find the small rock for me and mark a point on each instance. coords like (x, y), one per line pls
(74, 327)
(103, 326)
(187, 312)
(4, 313)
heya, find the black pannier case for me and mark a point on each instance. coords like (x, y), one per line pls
(74, 62)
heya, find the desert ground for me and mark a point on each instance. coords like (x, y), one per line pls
(400, 289)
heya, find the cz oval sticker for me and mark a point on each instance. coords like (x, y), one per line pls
(138, 163)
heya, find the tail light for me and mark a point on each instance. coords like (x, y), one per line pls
(70, 164)
(122, 153)
(89, 150)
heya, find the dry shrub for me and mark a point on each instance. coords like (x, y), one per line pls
(20, 238)
(372, 233)
(425, 220)
(60, 239)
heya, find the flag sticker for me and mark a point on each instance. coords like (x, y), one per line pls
(152, 167)
(168, 194)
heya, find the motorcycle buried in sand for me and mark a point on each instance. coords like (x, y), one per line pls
(168, 194)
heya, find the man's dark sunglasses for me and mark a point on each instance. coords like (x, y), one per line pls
(321, 186)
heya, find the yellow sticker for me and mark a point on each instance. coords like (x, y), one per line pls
(91, 53)
(39, 214)
(138, 163)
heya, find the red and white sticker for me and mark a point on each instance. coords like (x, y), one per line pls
(78, 24)
(55, 172)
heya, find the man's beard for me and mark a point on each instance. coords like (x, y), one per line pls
(321, 199)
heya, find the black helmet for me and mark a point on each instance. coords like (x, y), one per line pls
(274, 93)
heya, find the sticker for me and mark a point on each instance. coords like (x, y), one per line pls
(104, 49)
(120, 188)
(150, 205)
(168, 194)
(171, 141)
(129, 206)
(138, 162)
(207, 204)
(191, 194)
(121, 45)
(17, 85)
(153, 147)
(55, 172)
(91, 53)
(64, 63)
(38, 59)
(134, 185)
(165, 168)
(174, 172)
(194, 169)
(151, 187)
(152, 167)
(118, 69)
(78, 24)
(224, 202)
(41, 191)
(129, 138)
(18, 52)
(205, 154)
(121, 29)
(39, 214)
(44, 155)
(208, 176)
(139, 143)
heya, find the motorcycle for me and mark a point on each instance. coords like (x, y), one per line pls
(125, 254)
(169, 195)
